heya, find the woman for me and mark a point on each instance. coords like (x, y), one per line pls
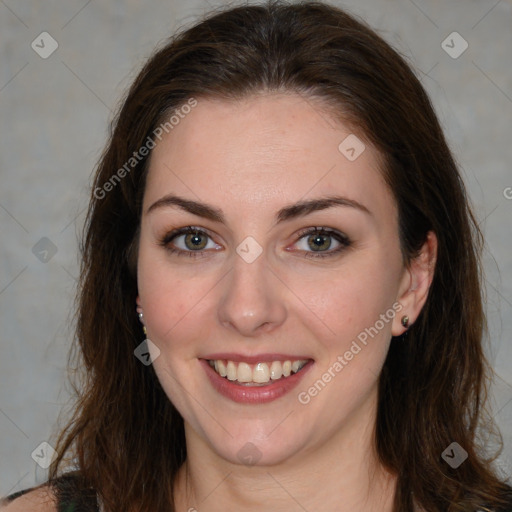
(280, 299)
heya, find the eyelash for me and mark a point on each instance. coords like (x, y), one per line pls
(339, 237)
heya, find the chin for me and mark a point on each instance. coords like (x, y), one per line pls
(252, 448)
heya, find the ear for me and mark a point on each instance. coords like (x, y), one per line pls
(415, 284)
(139, 305)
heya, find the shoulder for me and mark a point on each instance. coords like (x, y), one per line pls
(38, 499)
(68, 492)
(507, 497)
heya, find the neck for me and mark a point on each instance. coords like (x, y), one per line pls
(341, 474)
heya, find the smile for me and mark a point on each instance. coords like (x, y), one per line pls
(257, 374)
(255, 379)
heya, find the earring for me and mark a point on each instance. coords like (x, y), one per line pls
(141, 319)
(405, 321)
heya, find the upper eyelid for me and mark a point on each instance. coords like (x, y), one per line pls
(321, 229)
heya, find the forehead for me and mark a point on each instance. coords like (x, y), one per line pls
(261, 152)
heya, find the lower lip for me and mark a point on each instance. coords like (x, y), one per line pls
(254, 394)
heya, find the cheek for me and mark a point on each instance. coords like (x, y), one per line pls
(170, 301)
(172, 313)
(352, 298)
(357, 342)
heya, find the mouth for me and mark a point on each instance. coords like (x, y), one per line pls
(258, 374)
(257, 379)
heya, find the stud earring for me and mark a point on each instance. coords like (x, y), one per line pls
(141, 319)
(405, 321)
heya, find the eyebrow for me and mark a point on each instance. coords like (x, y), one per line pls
(299, 209)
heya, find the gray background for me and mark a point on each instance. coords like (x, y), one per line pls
(54, 115)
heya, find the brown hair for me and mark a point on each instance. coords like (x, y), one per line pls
(434, 382)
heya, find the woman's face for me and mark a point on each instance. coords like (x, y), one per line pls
(293, 264)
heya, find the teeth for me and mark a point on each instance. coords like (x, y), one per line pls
(244, 373)
(295, 366)
(260, 373)
(276, 370)
(220, 368)
(231, 371)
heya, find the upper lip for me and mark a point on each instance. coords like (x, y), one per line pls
(256, 358)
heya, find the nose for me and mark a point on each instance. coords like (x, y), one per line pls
(253, 298)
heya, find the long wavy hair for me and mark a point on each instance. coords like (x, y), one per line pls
(433, 386)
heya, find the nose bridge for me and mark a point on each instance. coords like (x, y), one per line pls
(252, 298)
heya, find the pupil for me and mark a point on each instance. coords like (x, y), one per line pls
(320, 241)
(195, 240)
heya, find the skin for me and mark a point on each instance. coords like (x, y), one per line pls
(38, 500)
(249, 159)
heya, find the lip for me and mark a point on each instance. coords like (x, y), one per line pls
(254, 359)
(256, 394)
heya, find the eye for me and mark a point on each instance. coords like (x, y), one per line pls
(316, 242)
(188, 241)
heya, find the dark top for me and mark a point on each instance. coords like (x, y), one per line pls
(70, 493)
(72, 497)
